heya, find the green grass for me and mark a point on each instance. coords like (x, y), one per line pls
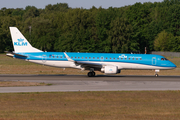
(136, 105)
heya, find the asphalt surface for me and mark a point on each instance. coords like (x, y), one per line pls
(65, 83)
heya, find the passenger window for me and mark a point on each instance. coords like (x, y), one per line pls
(89, 57)
(78, 57)
(114, 58)
(125, 58)
(97, 57)
(49, 56)
(121, 58)
(61, 56)
(64, 57)
(71, 57)
(118, 58)
(136, 58)
(133, 59)
(101, 57)
(129, 58)
(82, 57)
(93, 57)
(86, 57)
(140, 58)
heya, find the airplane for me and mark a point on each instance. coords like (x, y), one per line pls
(108, 63)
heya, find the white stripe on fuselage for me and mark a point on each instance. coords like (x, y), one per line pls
(121, 65)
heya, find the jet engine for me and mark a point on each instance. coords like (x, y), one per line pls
(110, 70)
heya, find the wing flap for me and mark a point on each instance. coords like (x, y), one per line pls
(89, 64)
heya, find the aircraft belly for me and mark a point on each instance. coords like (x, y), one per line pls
(62, 64)
(134, 66)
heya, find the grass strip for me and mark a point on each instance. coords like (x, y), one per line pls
(132, 105)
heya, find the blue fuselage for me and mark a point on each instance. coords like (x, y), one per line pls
(132, 61)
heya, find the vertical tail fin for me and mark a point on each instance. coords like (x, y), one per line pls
(20, 43)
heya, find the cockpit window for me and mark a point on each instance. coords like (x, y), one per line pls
(164, 59)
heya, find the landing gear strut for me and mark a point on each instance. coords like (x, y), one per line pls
(91, 73)
(156, 73)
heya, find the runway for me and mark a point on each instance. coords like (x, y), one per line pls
(67, 83)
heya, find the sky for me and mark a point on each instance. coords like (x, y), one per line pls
(72, 3)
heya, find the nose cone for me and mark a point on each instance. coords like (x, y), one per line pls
(173, 65)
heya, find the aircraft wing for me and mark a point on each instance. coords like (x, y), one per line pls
(85, 63)
(89, 64)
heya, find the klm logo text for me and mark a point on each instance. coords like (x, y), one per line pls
(20, 43)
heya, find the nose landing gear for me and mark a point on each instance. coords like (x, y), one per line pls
(156, 73)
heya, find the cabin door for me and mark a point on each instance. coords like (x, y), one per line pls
(44, 57)
(154, 61)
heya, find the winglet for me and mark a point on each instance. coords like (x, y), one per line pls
(69, 59)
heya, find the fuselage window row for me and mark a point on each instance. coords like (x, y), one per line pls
(100, 58)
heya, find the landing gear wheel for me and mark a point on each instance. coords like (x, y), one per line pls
(91, 74)
(156, 75)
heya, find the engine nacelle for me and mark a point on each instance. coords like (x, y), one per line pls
(110, 70)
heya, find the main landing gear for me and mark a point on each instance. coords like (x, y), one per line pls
(91, 73)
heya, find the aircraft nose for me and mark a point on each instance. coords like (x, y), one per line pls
(173, 65)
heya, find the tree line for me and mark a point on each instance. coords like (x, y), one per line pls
(58, 27)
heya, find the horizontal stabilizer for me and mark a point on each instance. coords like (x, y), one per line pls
(11, 54)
